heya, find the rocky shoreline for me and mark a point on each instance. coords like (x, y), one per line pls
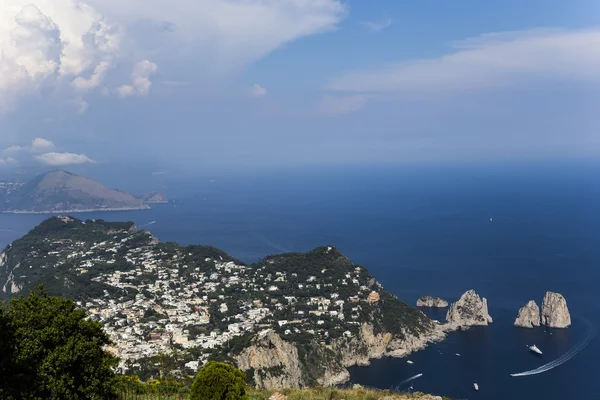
(280, 364)
(281, 367)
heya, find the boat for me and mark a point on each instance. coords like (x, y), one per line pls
(457, 354)
(409, 362)
(476, 386)
(535, 349)
(491, 220)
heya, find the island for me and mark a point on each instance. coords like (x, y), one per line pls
(289, 320)
(60, 191)
(432, 302)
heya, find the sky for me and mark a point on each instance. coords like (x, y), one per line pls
(235, 84)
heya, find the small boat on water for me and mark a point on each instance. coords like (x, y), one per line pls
(409, 362)
(535, 349)
(476, 386)
(457, 354)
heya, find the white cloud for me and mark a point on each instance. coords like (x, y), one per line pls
(338, 105)
(75, 43)
(61, 159)
(38, 145)
(140, 84)
(487, 62)
(81, 83)
(7, 161)
(376, 26)
(227, 35)
(81, 105)
(13, 149)
(41, 145)
(50, 42)
(258, 91)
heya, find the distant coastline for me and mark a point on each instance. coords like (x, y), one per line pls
(146, 207)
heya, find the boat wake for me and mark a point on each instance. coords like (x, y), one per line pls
(565, 357)
(270, 243)
(412, 378)
(148, 224)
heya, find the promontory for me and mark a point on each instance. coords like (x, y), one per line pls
(288, 320)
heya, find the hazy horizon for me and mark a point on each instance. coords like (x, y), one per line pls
(234, 85)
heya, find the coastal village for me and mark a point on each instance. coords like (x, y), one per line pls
(151, 297)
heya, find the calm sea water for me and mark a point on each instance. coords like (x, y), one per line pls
(424, 231)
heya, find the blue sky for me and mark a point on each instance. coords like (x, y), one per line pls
(236, 84)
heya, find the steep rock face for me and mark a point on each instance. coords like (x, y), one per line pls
(555, 313)
(529, 315)
(276, 363)
(270, 353)
(469, 310)
(431, 301)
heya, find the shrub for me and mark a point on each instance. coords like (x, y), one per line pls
(219, 381)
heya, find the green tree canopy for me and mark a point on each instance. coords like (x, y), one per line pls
(219, 381)
(55, 352)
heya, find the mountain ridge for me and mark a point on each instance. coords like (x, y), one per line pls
(59, 191)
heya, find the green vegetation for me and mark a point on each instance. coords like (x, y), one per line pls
(140, 391)
(52, 351)
(219, 381)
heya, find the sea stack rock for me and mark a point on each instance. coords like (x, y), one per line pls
(529, 315)
(555, 313)
(430, 301)
(469, 310)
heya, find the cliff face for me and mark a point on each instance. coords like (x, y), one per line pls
(430, 301)
(276, 363)
(469, 310)
(529, 315)
(555, 312)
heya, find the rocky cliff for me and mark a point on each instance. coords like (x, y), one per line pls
(275, 363)
(529, 315)
(430, 301)
(469, 310)
(555, 312)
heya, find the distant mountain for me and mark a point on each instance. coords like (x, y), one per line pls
(155, 197)
(60, 191)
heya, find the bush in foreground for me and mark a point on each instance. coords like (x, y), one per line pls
(53, 351)
(219, 381)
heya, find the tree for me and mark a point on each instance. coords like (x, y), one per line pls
(58, 352)
(6, 353)
(219, 381)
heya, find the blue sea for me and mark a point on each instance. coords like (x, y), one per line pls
(424, 231)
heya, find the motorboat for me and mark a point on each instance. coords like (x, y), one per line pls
(457, 354)
(409, 362)
(476, 386)
(535, 349)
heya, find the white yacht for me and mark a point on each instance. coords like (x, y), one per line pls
(457, 354)
(535, 349)
(476, 386)
(409, 362)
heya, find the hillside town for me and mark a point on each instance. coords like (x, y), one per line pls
(152, 297)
